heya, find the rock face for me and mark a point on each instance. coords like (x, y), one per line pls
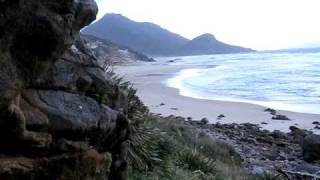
(109, 54)
(61, 115)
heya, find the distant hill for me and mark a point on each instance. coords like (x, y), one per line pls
(208, 44)
(154, 40)
(109, 53)
(143, 37)
(295, 50)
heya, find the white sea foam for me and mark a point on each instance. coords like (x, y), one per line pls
(282, 81)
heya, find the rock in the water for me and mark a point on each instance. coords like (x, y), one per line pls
(311, 148)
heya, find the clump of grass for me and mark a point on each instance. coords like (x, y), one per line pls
(193, 160)
(98, 94)
(221, 151)
(143, 152)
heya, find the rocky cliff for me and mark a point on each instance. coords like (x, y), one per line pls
(109, 54)
(61, 115)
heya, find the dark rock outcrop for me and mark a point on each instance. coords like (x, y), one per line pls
(61, 115)
(311, 148)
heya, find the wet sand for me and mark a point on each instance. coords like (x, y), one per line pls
(150, 80)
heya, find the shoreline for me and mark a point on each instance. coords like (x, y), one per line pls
(149, 79)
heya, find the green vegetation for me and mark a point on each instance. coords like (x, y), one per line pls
(98, 94)
(168, 148)
(172, 149)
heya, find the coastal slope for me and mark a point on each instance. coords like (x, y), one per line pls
(109, 54)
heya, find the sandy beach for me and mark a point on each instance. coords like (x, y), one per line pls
(150, 80)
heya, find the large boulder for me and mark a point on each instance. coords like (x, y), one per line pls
(36, 33)
(311, 148)
(70, 111)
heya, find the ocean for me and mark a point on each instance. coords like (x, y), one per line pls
(285, 81)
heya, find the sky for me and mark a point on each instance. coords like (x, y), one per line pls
(257, 24)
